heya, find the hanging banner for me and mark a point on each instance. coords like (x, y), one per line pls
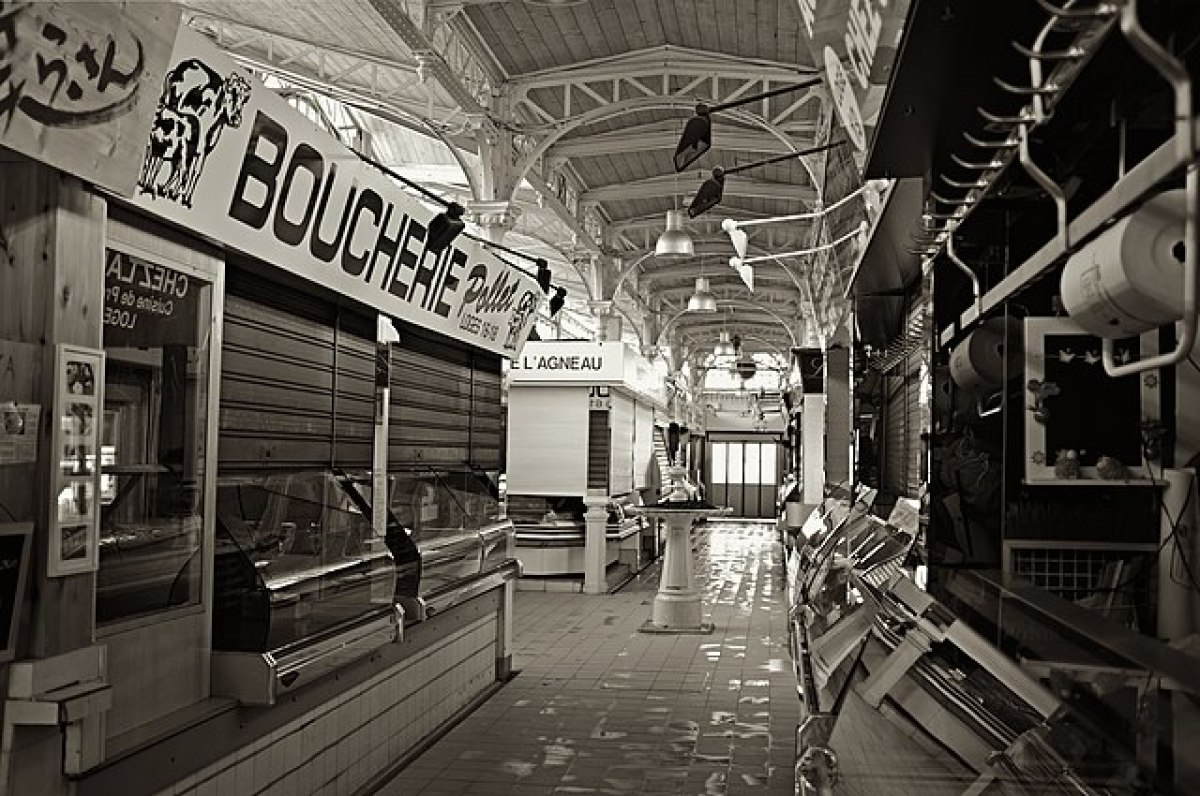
(233, 161)
(79, 83)
(854, 42)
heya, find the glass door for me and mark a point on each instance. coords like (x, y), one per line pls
(744, 475)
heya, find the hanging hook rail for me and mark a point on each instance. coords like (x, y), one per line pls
(976, 288)
(966, 164)
(1049, 186)
(1175, 73)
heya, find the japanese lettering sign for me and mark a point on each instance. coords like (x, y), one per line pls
(79, 83)
(234, 162)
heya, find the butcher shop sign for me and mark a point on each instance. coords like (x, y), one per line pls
(233, 161)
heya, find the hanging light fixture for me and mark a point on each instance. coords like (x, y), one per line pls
(702, 300)
(674, 242)
(724, 348)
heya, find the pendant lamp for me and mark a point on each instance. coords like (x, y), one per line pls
(724, 348)
(702, 300)
(674, 241)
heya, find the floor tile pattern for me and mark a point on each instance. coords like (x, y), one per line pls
(599, 708)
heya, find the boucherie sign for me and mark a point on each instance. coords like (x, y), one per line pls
(233, 161)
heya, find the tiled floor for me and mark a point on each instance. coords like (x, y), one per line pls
(599, 708)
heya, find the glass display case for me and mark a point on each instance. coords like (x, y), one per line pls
(304, 583)
(455, 518)
(870, 646)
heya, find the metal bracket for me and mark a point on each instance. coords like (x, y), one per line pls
(1175, 73)
(1048, 185)
(976, 288)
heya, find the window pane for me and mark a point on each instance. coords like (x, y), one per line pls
(735, 462)
(752, 451)
(152, 456)
(769, 462)
(720, 453)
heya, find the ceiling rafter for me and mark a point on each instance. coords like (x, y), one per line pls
(343, 74)
(665, 135)
(687, 184)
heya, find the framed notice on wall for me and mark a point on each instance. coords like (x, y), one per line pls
(16, 539)
(75, 512)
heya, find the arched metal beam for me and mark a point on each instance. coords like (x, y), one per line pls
(728, 302)
(638, 105)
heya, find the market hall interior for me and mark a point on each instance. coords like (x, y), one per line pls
(599, 396)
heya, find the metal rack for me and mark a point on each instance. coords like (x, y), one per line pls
(1092, 25)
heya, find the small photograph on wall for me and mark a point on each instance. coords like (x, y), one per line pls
(81, 377)
(78, 398)
(76, 501)
(74, 542)
(78, 459)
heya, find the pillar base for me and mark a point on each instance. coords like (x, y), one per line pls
(704, 629)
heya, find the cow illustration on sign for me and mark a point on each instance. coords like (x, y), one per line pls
(196, 106)
(525, 307)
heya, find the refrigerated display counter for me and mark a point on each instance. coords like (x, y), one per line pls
(304, 584)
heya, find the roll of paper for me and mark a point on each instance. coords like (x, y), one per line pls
(1130, 279)
(978, 364)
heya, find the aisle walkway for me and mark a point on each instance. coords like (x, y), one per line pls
(598, 708)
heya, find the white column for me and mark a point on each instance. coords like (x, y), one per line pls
(595, 579)
(812, 446)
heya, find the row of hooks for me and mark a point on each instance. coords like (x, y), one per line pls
(990, 156)
(1090, 24)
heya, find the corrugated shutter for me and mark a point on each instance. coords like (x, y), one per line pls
(621, 422)
(599, 445)
(546, 447)
(297, 385)
(445, 403)
(901, 460)
(902, 434)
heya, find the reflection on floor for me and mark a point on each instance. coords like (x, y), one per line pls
(599, 708)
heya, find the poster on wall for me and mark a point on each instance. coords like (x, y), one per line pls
(270, 183)
(79, 83)
(16, 540)
(75, 512)
(19, 433)
(854, 43)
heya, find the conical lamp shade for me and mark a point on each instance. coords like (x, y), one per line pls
(724, 348)
(702, 300)
(674, 241)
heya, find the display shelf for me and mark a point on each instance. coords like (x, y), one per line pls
(1127, 192)
(1143, 482)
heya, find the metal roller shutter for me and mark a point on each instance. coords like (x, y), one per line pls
(297, 387)
(445, 403)
(599, 446)
(901, 460)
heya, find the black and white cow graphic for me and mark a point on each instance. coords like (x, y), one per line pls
(525, 307)
(196, 105)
